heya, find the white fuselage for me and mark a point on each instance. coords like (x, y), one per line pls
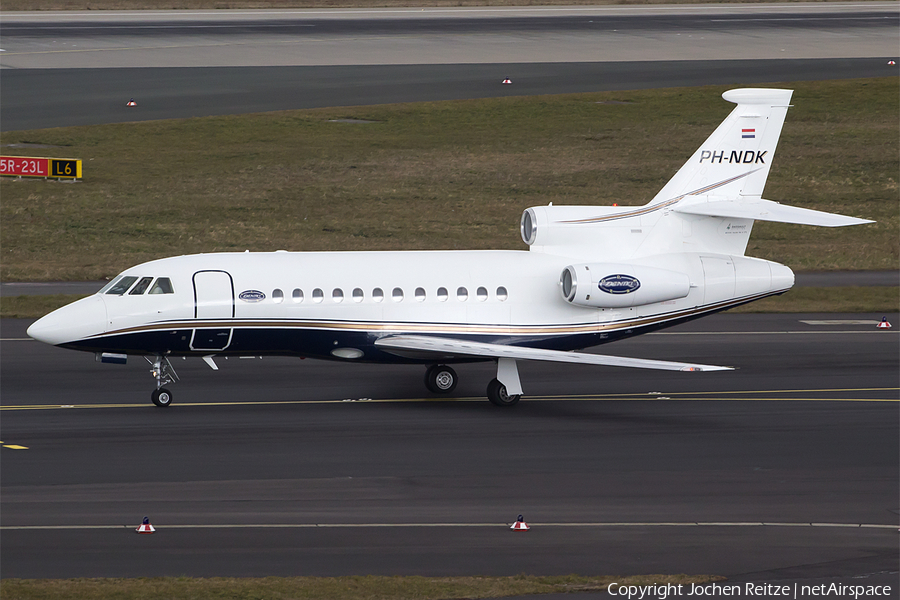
(314, 303)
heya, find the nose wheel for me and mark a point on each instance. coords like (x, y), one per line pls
(499, 396)
(164, 372)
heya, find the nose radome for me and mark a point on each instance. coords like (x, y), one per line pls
(83, 318)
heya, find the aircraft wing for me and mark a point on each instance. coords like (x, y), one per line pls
(446, 346)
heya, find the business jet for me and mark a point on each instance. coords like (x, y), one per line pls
(591, 275)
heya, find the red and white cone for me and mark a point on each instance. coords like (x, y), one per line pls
(884, 324)
(892, 62)
(507, 81)
(145, 527)
(520, 524)
(131, 103)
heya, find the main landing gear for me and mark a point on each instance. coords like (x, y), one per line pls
(165, 374)
(440, 379)
(505, 390)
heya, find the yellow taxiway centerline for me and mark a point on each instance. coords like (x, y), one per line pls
(753, 396)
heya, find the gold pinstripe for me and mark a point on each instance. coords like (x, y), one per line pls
(390, 327)
(648, 209)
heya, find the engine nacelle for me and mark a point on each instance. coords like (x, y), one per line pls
(607, 285)
(564, 225)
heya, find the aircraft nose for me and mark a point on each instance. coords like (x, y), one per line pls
(81, 319)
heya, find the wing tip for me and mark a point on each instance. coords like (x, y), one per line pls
(693, 368)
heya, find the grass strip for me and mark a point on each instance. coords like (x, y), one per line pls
(798, 300)
(368, 587)
(436, 175)
(850, 299)
(34, 307)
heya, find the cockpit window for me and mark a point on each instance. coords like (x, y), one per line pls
(106, 287)
(121, 286)
(141, 286)
(163, 285)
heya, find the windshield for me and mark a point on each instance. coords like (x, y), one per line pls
(106, 287)
(121, 285)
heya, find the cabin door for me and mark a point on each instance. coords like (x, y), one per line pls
(213, 302)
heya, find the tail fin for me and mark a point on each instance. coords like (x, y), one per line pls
(735, 160)
(725, 177)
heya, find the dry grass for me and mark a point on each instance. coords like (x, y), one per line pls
(849, 299)
(444, 175)
(323, 588)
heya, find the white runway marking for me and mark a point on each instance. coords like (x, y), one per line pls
(811, 332)
(448, 525)
(841, 322)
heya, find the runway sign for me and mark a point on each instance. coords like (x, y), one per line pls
(29, 166)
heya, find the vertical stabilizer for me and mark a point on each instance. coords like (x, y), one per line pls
(734, 161)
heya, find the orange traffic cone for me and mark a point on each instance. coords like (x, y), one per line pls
(131, 103)
(520, 524)
(884, 324)
(145, 527)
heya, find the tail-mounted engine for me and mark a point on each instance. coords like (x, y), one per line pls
(606, 285)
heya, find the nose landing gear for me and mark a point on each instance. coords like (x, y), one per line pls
(165, 374)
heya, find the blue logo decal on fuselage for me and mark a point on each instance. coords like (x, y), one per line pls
(252, 296)
(619, 284)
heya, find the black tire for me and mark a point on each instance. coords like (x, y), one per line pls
(440, 379)
(161, 397)
(496, 393)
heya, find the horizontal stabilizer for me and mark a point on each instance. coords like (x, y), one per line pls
(445, 346)
(764, 210)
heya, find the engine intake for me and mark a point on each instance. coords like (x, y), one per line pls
(606, 285)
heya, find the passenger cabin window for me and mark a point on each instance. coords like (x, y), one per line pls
(481, 294)
(277, 296)
(420, 294)
(377, 295)
(502, 294)
(337, 295)
(163, 285)
(318, 295)
(397, 295)
(121, 286)
(357, 295)
(442, 294)
(462, 294)
(141, 286)
(297, 295)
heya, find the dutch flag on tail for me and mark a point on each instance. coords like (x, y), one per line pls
(748, 133)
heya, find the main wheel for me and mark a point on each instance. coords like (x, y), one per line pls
(440, 379)
(497, 394)
(161, 397)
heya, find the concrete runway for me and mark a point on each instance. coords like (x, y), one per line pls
(290, 467)
(61, 69)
